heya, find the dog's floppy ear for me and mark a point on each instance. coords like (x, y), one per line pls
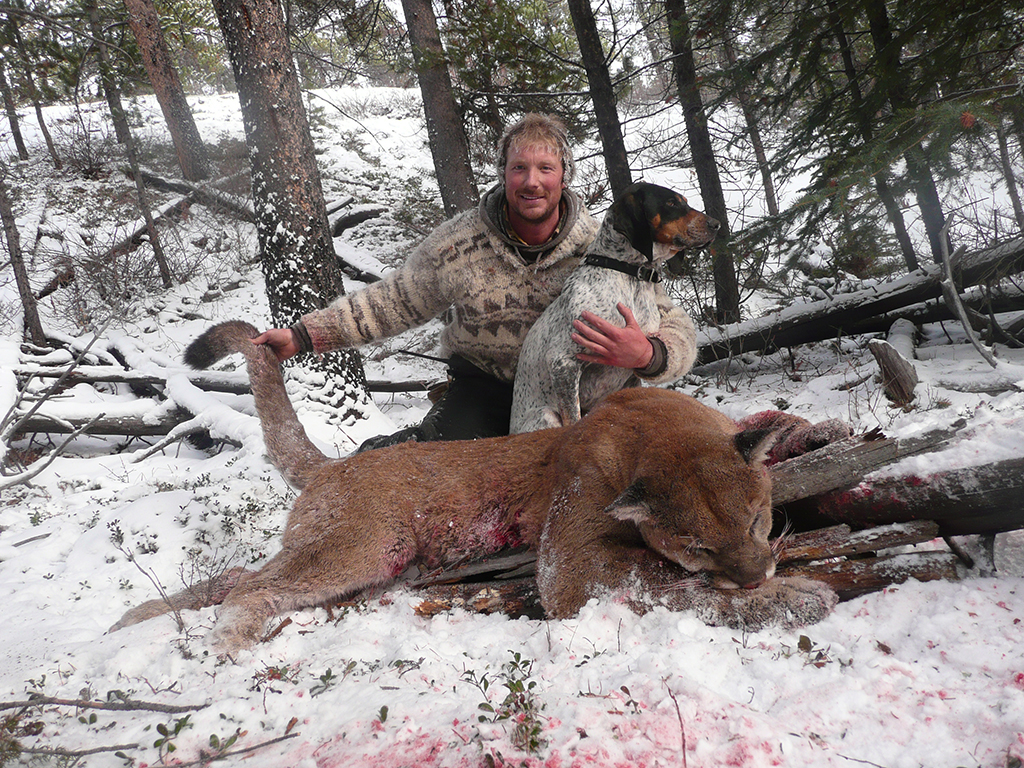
(630, 218)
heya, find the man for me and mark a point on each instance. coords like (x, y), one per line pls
(494, 270)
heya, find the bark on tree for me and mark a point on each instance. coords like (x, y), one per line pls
(33, 328)
(727, 291)
(446, 133)
(12, 113)
(602, 95)
(30, 86)
(888, 54)
(892, 208)
(124, 136)
(163, 76)
(296, 249)
(110, 90)
(1008, 174)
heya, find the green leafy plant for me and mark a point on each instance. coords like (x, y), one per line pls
(520, 710)
(167, 735)
(327, 679)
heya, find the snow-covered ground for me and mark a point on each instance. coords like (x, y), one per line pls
(919, 675)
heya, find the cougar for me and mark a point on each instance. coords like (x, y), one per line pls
(649, 490)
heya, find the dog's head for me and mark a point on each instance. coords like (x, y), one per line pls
(647, 214)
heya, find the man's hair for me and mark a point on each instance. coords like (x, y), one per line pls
(537, 130)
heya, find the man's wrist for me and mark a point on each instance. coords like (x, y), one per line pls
(301, 336)
(658, 362)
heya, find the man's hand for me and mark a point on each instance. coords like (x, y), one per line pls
(282, 342)
(606, 343)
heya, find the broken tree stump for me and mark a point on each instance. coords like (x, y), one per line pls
(899, 376)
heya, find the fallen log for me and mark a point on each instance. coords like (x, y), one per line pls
(159, 422)
(820, 320)
(899, 376)
(205, 194)
(210, 381)
(852, 578)
(983, 499)
(843, 463)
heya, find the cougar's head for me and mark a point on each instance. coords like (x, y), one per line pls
(708, 508)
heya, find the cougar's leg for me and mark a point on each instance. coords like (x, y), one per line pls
(313, 568)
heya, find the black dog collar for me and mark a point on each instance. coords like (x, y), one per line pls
(639, 271)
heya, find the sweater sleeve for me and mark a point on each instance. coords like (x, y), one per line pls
(679, 337)
(406, 298)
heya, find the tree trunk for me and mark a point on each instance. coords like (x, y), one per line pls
(887, 54)
(33, 328)
(753, 129)
(892, 208)
(12, 113)
(110, 90)
(30, 87)
(1008, 175)
(124, 136)
(602, 94)
(296, 249)
(156, 56)
(445, 131)
(650, 14)
(727, 291)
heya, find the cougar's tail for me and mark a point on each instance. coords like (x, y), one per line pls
(287, 443)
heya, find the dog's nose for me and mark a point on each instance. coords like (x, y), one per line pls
(714, 224)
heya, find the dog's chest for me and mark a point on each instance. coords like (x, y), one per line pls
(600, 290)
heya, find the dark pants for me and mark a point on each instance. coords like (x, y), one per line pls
(475, 405)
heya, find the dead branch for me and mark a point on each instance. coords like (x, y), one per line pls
(59, 752)
(119, 706)
(159, 421)
(24, 477)
(952, 298)
(350, 220)
(840, 541)
(852, 578)
(234, 382)
(207, 758)
(899, 377)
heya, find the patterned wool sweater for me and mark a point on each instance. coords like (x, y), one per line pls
(469, 266)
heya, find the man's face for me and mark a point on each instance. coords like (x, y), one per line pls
(533, 186)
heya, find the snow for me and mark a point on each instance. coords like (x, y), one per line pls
(918, 675)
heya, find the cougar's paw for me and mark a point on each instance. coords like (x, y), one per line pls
(235, 631)
(783, 602)
(810, 437)
(795, 435)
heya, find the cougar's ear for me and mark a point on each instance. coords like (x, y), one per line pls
(754, 444)
(631, 505)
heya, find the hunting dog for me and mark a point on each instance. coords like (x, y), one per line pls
(645, 226)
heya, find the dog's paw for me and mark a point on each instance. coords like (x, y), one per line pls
(783, 602)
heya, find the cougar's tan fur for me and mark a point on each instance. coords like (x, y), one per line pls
(649, 488)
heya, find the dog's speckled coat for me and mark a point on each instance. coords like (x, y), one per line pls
(646, 225)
